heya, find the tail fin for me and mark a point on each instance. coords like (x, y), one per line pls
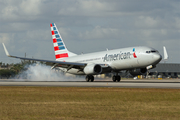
(59, 47)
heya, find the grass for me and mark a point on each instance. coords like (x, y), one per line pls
(73, 103)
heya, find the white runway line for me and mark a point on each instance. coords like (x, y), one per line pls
(175, 83)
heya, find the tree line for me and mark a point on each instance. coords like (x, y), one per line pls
(12, 70)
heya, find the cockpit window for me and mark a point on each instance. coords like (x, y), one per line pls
(152, 51)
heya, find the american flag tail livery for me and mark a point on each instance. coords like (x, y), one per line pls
(59, 46)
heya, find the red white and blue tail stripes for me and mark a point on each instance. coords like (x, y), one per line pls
(59, 46)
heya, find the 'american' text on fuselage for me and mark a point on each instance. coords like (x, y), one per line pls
(119, 56)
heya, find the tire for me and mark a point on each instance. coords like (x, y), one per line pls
(114, 78)
(92, 78)
(87, 78)
(118, 78)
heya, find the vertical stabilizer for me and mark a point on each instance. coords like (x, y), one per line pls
(59, 46)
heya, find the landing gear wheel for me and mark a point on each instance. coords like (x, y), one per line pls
(92, 78)
(116, 78)
(89, 78)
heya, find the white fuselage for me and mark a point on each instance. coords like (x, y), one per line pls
(118, 59)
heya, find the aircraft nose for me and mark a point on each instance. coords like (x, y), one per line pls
(157, 57)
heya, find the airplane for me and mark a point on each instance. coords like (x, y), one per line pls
(136, 60)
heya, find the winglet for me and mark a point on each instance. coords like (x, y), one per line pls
(165, 53)
(7, 53)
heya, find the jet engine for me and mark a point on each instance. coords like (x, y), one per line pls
(92, 69)
(139, 71)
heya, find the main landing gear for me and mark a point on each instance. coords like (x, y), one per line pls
(89, 78)
(116, 78)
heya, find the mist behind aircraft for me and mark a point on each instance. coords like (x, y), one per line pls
(41, 72)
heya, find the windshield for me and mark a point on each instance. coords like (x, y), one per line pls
(152, 51)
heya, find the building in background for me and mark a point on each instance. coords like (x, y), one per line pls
(166, 70)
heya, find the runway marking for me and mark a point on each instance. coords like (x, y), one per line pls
(175, 84)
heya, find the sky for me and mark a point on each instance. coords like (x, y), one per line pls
(88, 26)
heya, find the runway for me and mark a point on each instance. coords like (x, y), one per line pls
(171, 83)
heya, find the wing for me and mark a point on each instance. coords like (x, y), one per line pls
(62, 64)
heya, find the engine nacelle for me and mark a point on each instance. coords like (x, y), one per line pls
(139, 71)
(92, 69)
